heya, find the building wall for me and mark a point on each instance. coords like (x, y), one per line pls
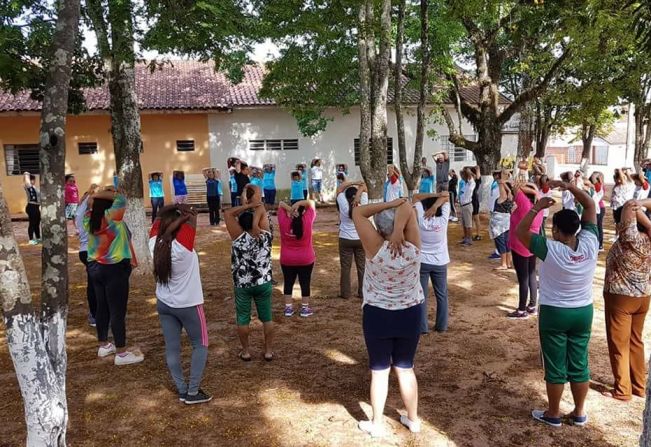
(231, 132)
(159, 135)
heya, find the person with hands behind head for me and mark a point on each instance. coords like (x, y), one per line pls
(565, 322)
(524, 197)
(110, 261)
(392, 306)
(297, 254)
(179, 296)
(500, 221)
(432, 214)
(33, 208)
(626, 298)
(248, 227)
(476, 173)
(350, 194)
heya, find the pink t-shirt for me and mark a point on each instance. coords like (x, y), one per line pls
(523, 206)
(296, 251)
(71, 193)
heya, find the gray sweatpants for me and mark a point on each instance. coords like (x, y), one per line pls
(193, 319)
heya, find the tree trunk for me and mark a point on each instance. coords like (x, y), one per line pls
(410, 180)
(381, 71)
(365, 81)
(125, 127)
(642, 133)
(38, 345)
(374, 85)
(44, 400)
(587, 137)
(525, 132)
(424, 86)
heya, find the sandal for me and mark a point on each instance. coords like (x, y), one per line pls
(268, 358)
(243, 357)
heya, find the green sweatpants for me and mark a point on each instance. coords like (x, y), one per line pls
(564, 339)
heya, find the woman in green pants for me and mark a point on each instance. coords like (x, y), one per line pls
(565, 321)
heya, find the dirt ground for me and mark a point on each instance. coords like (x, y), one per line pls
(478, 382)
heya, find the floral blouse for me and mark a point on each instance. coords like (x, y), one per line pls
(393, 283)
(629, 262)
(251, 260)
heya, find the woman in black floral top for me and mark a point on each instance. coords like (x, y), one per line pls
(248, 226)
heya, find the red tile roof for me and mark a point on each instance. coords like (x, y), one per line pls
(186, 85)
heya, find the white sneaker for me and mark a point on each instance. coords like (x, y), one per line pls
(128, 358)
(369, 427)
(32, 242)
(413, 426)
(105, 350)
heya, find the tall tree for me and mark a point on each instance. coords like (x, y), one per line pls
(412, 175)
(496, 32)
(113, 23)
(37, 344)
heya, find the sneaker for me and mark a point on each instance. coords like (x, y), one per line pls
(413, 426)
(370, 428)
(91, 321)
(518, 315)
(128, 358)
(106, 350)
(539, 415)
(532, 310)
(32, 242)
(199, 398)
(289, 311)
(183, 396)
(454, 219)
(39, 242)
(467, 243)
(579, 421)
(306, 311)
(494, 256)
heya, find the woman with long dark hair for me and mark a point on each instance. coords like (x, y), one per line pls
(350, 195)
(180, 296)
(110, 260)
(33, 208)
(296, 251)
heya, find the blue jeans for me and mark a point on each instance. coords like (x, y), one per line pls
(439, 276)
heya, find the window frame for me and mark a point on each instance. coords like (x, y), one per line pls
(182, 142)
(89, 144)
(34, 166)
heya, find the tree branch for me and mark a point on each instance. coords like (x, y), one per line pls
(456, 137)
(534, 91)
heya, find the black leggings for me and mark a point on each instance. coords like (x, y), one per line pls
(111, 282)
(34, 215)
(304, 273)
(525, 269)
(90, 289)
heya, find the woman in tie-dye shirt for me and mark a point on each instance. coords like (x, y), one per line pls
(110, 260)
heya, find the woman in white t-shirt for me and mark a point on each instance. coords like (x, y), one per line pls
(393, 184)
(316, 173)
(349, 195)
(566, 310)
(179, 296)
(432, 213)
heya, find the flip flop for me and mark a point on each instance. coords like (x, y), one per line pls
(268, 359)
(243, 357)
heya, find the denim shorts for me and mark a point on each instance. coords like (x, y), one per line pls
(316, 185)
(502, 243)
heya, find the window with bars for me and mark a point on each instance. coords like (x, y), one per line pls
(273, 145)
(457, 153)
(389, 151)
(184, 145)
(21, 158)
(87, 148)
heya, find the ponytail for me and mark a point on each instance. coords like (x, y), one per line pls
(297, 224)
(163, 247)
(350, 196)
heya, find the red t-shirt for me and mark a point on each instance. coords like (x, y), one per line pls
(294, 251)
